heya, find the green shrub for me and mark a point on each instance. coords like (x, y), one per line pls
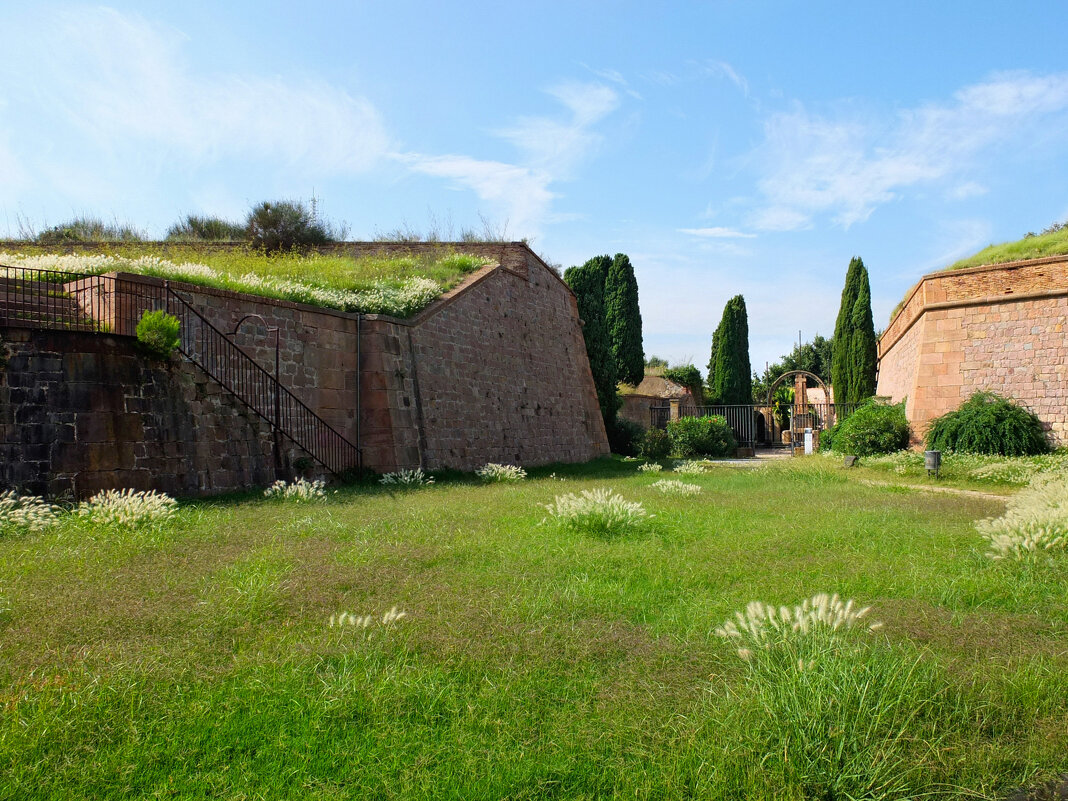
(827, 437)
(157, 332)
(690, 377)
(624, 436)
(873, 428)
(701, 436)
(205, 229)
(987, 423)
(88, 229)
(656, 444)
(285, 225)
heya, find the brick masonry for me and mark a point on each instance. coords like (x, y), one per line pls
(1000, 328)
(84, 412)
(495, 370)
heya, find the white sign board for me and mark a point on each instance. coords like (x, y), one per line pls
(808, 441)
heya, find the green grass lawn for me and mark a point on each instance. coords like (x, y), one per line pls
(197, 659)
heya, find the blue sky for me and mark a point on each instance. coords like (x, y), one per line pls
(727, 147)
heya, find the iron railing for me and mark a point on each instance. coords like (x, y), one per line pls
(754, 424)
(740, 417)
(50, 299)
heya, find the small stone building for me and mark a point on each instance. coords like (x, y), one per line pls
(493, 371)
(1001, 328)
(655, 392)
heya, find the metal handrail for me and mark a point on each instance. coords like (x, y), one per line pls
(51, 299)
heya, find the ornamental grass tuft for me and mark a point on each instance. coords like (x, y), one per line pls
(599, 512)
(1035, 521)
(765, 625)
(343, 619)
(691, 467)
(301, 490)
(21, 514)
(407, 478)
(677, 488)
(127, 508)
(501, 472)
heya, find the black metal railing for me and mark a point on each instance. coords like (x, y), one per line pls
(740, 417)
(50, 299)
(754, 424)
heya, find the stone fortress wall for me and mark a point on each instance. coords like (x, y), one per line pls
(1001, 328)
(493, 371)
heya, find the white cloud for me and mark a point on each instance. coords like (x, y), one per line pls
(716, 233)
(551, 151)
(522, 193)
(558, 146)
(121, 82)
(846, 166)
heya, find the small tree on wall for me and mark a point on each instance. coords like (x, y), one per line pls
(853, 354)
(587, 282)
(730, 378)
(624, 320)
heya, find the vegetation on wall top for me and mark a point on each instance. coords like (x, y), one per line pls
(394, 285)
(1052, 241)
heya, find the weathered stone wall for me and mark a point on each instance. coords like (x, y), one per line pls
(495, 370)
(501, 375)
(84, 412)
(1001, 328)
(317, 347)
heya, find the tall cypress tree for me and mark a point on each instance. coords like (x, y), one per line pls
(862, 350)
(730, 375)
(624, 320)
(853, 359)
(587, 282)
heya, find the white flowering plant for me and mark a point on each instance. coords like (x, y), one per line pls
(691, 467)
(349, 620)
(301, 490)
(765, 625)
(127, 508)
(407, 478)
(21, 514)
(1035, 521)
(677, 488)
(600, 512)
(650, 467)
(501, 472)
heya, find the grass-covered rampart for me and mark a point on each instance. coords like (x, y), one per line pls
(1052, 243)
(252, 647)
(399, 285)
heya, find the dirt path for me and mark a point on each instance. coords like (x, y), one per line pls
(952, 490)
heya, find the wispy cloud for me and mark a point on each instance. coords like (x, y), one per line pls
(559, 145)
(716, 233)
(846, 166)
(551, 149)
(721, 69)
(521, 193)
(119, 79)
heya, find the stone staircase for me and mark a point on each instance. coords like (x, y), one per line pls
(34, 304)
